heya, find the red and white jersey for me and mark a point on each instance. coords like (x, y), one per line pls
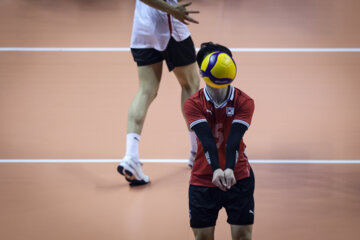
(238, 107)
(153, 28)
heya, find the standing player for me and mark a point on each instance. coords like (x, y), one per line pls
(159, 33)
(221, 176)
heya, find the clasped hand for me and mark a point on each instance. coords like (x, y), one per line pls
(224, 179)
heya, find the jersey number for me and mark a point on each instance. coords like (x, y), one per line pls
(218, 134)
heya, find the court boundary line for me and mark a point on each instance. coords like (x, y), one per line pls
(123, 49)
(269, 161)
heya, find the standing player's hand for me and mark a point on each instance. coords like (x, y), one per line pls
(182, 14)
(229, 178)
(219, 179)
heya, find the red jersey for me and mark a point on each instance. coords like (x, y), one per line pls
(238, 107)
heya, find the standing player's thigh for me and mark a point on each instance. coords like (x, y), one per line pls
(188, 75)
(149, 62)
(150, 76)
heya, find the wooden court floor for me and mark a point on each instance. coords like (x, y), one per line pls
(90, 201)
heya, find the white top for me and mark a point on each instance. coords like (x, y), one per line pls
(152, 28)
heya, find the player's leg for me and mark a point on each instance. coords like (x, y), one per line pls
(241, 232)
(239, 205)
(181, 58)
(149, 63)
(203, 210)
(188, 78)
(204, 233)
(149, 82)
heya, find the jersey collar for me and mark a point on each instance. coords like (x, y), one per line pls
(230, 97)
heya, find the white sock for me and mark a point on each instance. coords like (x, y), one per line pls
(193, 141)
(132, 146)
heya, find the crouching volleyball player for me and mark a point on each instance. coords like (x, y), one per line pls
(221, 176)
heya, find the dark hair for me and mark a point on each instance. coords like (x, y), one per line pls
(209, 47)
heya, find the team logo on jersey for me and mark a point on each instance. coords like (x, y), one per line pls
(230, 111)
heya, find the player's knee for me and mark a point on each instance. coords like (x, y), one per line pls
(190, 86)
(189, 81)
(186, 87)
(148, 93)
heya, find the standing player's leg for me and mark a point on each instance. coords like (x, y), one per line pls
(181, 58)
(241, 232)
(189, 80)
(149, 82)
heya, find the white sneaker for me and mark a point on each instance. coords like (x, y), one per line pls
(132, 172)
(191, 159)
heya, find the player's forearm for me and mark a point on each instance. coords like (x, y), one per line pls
(237, 132)
(160, 5)
(210, 151)
(203, 132)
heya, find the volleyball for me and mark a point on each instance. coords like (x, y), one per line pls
(218, 69)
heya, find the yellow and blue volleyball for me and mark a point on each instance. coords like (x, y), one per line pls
(218, 69)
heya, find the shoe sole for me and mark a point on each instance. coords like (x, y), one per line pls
(129, 176)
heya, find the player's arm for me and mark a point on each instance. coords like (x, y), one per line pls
(203, 132)
(238, 128)
(178, 11)
(237, 132)
(198, 123)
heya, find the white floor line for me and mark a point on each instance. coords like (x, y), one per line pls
(174, 161)
(126, 49)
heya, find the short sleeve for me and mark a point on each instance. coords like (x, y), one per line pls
(244, 112)
(193, 112)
